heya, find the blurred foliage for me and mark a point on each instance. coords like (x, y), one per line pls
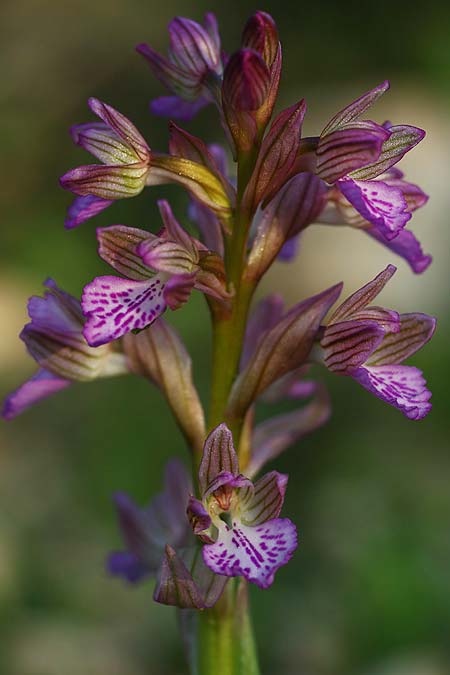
(369, 590)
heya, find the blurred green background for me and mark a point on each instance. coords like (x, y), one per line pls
(368, 591)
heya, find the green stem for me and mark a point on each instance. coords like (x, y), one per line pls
(225, 636)
(226, 640)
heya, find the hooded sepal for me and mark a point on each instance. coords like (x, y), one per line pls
(218, 455)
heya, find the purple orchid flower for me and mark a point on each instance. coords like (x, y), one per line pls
(238, 520)
(370, 343)
(147, 531)
(159, 543)
(55, 340)
(351, 153)
(161, 272)
(192, 71)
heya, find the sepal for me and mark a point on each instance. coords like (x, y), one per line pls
(282, 349)
(218, 455)
(357, 108)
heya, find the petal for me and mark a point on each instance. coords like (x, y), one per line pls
(178, 289)
(106, 181)
(357, 108)
(402, 139)
(181, 82)
(192, 48)
(264, 502)
(246, 80)
(167, 256)
(403, 387)
(174, 231)
(218, 455)
(176, 108)
(118, 246)
(253, 552)
(260, 33)
(83, 208)
(121, 126)
(348, 344)
(115, 306)
(41, 385)
(98, 139)
(381, 204)
(57, 311)
(348, 148)
(363, 296)
(199, 518)
(406, 246)
(264, 316)
(127, 565)
(415, 331)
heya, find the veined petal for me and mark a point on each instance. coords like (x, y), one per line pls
(167, 256)
(357, 108)
(118, 246)
(348, 344)
(403, 387)
(218, 455)
(381, 204)
(98, 139)
(106, 181)
(174, 231)
(122, 126)
(246, 81)
(260, 33)
(253, 552)
(192, 48)
(363, 296)
(415, 331)
(41, 385)
(264, 501)
(115, 306)
(348, 148)
(401, 140)
(83, 208)
(179, 81)
(177, 108)
(406, 246)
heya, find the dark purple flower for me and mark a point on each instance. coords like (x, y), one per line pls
(239, 517)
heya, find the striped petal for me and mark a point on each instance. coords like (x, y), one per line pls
(98, 139)
(348, 148)
(246, 80)
(265, 500)
(357, 108)
(218, 455)
(363, 296)
(192, 47)
(255, 553)
(106, 181)
(115, 306)
(401, 140)
(348, 344)
(121, 126)
(403, 387)
(415, 331)
(379, 203)
(118, 245)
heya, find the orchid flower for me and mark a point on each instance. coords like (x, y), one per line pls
(54, 338)
(192, 70)
(370, 344)
(161, 272)
(237, 519)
